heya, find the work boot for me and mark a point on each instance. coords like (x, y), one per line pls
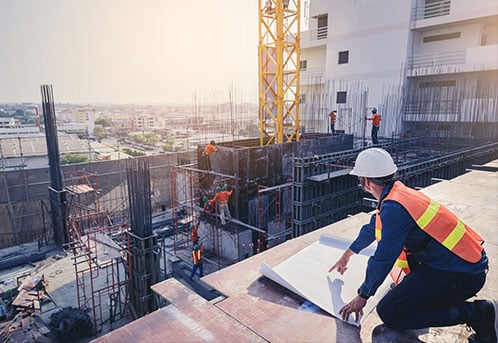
(485, 322)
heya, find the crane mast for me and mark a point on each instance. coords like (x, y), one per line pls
(279, 33)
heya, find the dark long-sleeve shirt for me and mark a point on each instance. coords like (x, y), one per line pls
(398, 230)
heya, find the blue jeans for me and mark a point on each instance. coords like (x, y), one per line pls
(375, 130)
(430, 298)
(194, 269)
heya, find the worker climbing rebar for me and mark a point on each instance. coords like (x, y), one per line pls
(194, 232)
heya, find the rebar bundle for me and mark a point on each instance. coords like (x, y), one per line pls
(139, 196)
(56, 190)
(143, 256)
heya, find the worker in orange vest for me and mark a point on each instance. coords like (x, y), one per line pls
(333, 119)
(375, 118)
(194, 232)
(208, 150)
(441, 258)
(197, 260)
(222, 196)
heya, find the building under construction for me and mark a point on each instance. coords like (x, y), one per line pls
(128, 225)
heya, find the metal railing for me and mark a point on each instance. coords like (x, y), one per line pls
(319, 33)
(431, 10)
(434, 59)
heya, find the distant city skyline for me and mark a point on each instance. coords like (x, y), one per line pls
(128, 51)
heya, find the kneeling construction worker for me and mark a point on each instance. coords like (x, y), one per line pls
(440, 261)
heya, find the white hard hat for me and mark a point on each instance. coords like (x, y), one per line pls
(375, 163)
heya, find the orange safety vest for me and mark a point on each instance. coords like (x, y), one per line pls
(209, 149)
(375, 118)
(222, 197)
(197, 256)
(194, 234)
(435, 220)
(333, 117)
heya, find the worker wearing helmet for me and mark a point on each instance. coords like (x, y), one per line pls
(208, 150)
(436, 261)
(333, 119)
(197, 260)
(375, 118)
(222, 196)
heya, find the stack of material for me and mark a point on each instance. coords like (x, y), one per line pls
(31, 293)
(24, 328)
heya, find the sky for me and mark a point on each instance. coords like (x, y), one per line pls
(128, 51)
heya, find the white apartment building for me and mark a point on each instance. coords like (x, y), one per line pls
(144, 122)
(426, 65)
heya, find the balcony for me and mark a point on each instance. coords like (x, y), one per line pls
(443, 12)
(454, 61)
(431, 10)
(314, 37)
(312, 76)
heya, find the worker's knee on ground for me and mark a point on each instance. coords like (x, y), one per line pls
(391, 316)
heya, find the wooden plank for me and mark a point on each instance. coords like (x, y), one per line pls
(189, 318)
(280, 316)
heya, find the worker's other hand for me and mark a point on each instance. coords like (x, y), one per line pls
(342, 264)
(354, 306)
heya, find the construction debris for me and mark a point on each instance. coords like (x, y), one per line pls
(70, 324)
(25, 327)
(31, 294)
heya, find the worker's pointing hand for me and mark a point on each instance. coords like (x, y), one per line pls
(340, 266)
(342, 263)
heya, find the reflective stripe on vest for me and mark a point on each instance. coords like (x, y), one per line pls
(196, 254)
(437, 221)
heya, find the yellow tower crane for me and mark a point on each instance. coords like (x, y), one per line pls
(279, 32)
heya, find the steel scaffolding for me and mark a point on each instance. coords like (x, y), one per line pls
(98, 250)
(274, 208)
(189, 185)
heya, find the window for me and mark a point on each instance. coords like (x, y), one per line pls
(302, 98)
(341, 97)
(444, 36)
(343, 57)
(435, 84)
(303, 65)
